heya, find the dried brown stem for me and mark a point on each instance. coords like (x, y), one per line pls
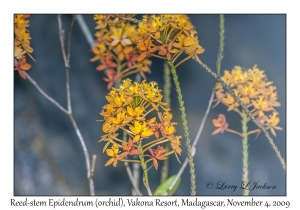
(67, 65)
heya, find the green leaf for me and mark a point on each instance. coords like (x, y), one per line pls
(163, 188)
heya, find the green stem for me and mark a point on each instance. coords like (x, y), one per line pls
(144, 166)
(221, 46)
(245, 178)
(185, 127)
(167, 85)
(167, 99)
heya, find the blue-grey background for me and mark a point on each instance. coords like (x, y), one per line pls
(48, 158)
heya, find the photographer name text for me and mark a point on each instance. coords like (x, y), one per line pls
(251, 186)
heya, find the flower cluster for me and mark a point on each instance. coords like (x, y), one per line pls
(255, 91)
(115, 48)
(124, 48)
(169, 36)
(129, 109)
(21, 44)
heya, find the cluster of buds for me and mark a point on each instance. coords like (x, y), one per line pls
(255, 91)
(129, 110)
(115, 48)
(21, 44)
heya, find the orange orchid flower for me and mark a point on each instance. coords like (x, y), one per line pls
(130, 149)
(131, 58)
(112, 77)
(157, 155)
(21, 65)
(223, 126)
(113, 153)
(166, 50)
(146, 48)
(107, 63)
(220, 123)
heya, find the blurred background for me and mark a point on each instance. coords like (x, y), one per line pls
(48, 158)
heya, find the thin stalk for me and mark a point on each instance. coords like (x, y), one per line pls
(160, 57)
(233, 131)
(183, 60)
(124, 71)
(168, 153)
(130, 161)
(253, 131)
(169, 33)
(185, 127)
(245, 178)
(94, 159)
(66, 57)
(62, 37)
(86, 154)
(127, 132)
(160, 142)
(176, 56)
(152, 142)
(130, 73)
(148, 112)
